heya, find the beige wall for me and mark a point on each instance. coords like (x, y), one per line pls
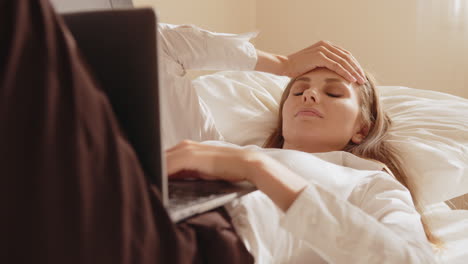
(230, 16)
(233, 16)
(416, 43)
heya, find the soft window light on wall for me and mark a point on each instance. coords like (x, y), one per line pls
(443, 14)
(457, 7)
(460, 10)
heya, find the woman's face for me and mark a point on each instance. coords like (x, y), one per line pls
(321, 113)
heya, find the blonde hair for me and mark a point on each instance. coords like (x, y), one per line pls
(375, 146)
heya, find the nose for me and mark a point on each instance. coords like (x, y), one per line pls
(310, 95)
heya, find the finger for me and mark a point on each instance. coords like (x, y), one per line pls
(178, 167)
(357, 71)
(207, 177)
(178, 160)
(184, 174)
(182, 144)
(337, 67)
(352, 60)
(358, 68)
(189, 157)
(347, 53)
(343, 62)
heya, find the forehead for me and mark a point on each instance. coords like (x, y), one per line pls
(323, 77)
(320, 75)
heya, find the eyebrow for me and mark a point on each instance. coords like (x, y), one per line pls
(327, 80)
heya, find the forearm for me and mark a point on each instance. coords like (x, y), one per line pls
(279, 183)
(384, 222)
(268, 62)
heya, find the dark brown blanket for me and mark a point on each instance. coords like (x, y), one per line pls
(72, 190)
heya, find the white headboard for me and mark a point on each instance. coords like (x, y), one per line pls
(80, 5)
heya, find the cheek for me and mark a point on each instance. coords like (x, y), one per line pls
(354, 116)
(348, 113)
(287, 108)
(287, 116)
(350, 110)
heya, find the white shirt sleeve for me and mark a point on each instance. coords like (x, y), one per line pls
(378, 224)
(198, 49)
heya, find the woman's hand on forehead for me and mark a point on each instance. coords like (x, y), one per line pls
(327, 55)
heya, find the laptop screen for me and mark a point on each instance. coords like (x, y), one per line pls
(120, 46)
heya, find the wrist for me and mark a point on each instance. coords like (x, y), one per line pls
(272, 63)
(285, 65)
(254, 161)
(275, 180)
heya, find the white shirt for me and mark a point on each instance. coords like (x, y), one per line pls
(351, 212)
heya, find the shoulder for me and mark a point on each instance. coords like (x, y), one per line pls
(380, 186)
(350, 160)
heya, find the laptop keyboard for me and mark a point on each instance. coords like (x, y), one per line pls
(184, 192)
(187, 194)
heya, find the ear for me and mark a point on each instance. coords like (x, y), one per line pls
(360, 135)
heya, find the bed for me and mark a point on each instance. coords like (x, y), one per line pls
(431, 129)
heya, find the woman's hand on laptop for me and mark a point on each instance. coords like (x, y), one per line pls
(230, 164)
(209, 162)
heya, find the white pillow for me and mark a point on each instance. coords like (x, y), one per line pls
(430, 128)
(431, 131)
(244, 104)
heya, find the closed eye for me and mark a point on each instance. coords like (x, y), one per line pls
(333, 95)
(329, 94)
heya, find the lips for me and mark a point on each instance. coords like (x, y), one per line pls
(309, 112)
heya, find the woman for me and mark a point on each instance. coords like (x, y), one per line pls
(321, 111)
(75, 193)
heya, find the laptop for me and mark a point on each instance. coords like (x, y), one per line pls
(120, 47)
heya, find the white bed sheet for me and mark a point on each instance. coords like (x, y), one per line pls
(452, 227)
